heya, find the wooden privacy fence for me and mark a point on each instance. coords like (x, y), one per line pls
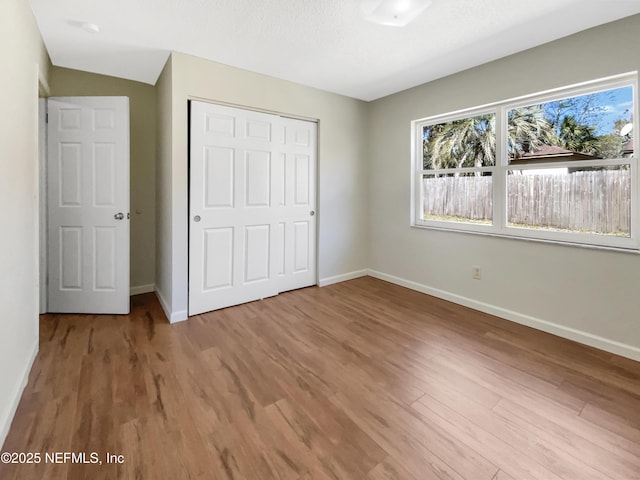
(591, 201)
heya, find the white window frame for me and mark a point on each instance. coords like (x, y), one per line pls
(500, 226)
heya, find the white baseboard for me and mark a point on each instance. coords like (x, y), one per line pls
(173, 317)
(323, 282)
(139, 289)
(179, 316)
(5, 423)
(608, 345)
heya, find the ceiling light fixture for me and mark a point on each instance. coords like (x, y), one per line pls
(395, 13)
(90, 27)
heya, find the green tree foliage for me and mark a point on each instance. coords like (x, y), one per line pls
(470, 142)
(612, 144)
(569, 123)
(528, 129)
(578, 137)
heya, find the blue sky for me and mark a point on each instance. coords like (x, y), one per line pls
(618, 104)
(604, 108)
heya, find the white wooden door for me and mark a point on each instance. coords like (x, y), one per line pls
(88, 204)
(252, 225)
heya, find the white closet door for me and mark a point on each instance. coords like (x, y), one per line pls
(252, 206)
(296, 257)
(88, 204)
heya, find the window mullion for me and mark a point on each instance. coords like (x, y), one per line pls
(635, 207)
(417, 165)
(500, 177)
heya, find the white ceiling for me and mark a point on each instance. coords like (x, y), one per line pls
(320, 43)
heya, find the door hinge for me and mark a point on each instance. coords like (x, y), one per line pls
(46, 118)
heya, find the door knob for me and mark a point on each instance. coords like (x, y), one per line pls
(119, 216)
(312, 213)
(196, 218)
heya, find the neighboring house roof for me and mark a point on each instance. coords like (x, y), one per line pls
(627, 148)
(550, 153)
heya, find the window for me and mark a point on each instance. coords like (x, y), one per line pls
(458, 160)
(556, 166)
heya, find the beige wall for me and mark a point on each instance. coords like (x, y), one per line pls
(142, 104)
(590, 295)
(24, 59)
(342, 163)
(164, 182)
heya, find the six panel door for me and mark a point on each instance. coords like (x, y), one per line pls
(88, 204)
(252, 226)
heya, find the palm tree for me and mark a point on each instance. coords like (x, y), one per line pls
(470, 142)
(528, 129)
(578, 137)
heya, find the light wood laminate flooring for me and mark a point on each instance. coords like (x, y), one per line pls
(358, 380)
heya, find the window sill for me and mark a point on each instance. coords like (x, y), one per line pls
(486, 233)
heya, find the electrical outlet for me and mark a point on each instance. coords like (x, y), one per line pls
(476, 272)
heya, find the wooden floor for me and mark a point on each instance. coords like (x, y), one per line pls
(359, 380)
